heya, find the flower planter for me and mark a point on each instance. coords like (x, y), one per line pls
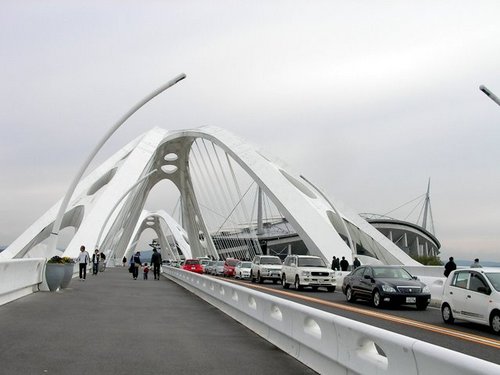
(54, 273)
(69, 269)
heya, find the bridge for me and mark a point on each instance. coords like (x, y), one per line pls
(219, 178)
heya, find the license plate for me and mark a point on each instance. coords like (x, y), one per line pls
(411, 299)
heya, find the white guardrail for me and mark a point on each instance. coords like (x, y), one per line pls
(327, 343)
(20, 277)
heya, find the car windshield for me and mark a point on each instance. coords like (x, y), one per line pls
(270, 261)
(391, 273)
(191, 262)
(311, 262)
(494, 278)
(231, 262)
(220, 263)
(246, 265)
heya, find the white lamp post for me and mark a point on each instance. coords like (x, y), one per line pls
(490, 94)
(64, 204)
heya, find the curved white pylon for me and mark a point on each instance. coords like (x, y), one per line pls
(311, 215)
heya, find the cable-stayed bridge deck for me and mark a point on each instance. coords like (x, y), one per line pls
(112, 324)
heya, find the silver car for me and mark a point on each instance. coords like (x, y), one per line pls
(218, 269)
(242, 270)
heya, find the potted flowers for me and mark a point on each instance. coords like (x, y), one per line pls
(54, 272)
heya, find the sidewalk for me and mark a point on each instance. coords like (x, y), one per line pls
(112, 324)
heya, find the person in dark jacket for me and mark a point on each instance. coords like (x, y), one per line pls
(137, 263)
(344, 264)
(95, 262)
(335, 263)
(356, 263)
(449, 266)
(156, 262)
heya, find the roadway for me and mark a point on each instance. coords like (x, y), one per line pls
(468, 338)
(112, 324)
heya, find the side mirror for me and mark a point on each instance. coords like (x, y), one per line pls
(368, 277)
(414, 277)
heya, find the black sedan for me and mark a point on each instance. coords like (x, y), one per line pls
(384, 285)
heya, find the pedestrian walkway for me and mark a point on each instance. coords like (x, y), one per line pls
(112, 324)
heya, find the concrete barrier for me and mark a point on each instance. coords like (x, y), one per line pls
(327, 343)
(20, 277)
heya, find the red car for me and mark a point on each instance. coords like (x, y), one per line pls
(193, 265)
(229, 265)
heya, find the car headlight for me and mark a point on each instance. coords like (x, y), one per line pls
(305, 273)
(426, 289)
(388, 289)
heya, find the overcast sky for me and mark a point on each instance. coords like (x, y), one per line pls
(367, 99)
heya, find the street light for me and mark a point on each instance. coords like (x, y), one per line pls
(64, 204)
(490, 94)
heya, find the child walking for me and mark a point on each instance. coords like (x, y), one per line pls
(146, 270)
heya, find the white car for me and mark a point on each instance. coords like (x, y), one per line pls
(307, 271)
(473, 295)
(242, 270)
(266, 267)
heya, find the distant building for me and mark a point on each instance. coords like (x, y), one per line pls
(411, 238)
(415, 239)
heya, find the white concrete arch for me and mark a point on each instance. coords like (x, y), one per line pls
(170, 236)
(166, 155)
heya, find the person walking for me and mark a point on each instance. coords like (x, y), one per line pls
(335, 263)
(356, 263)
(449, 266)
(476, 264)
(145, 271)
(156, 262)
(124, 261)
(136, 260)
(82, 260)
(95, 262)
(344, 264)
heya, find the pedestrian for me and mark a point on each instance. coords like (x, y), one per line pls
(476, 264)
(82, 260)
(145, 271)
(124, 261)
(95, 262)
(449, 266)
(156, 262)
(344, 264)
(356, 263)
(335, 263)
(102, 263)
(136, 260)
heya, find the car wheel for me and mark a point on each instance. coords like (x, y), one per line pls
(447, 314)
(377, 299)
(284, 283)
(495, 322)
(297, 283)
(331, 289)
(315, 288)
(349, 295)
(422, 306)
(251, 277)
(259, 279)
